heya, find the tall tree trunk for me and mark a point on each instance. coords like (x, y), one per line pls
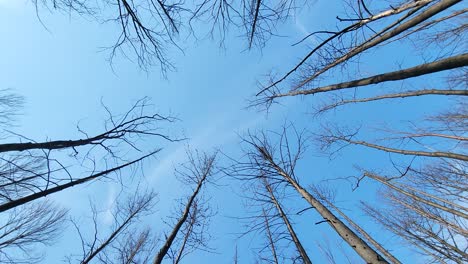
(348, 235)
(361, 231)
(435, 154)
(454, 62)
(270, 238)
(415, 197)
(291, 231)
(170, 239)
(32, 197)
(186, 237)
(426, 14)
(356, 243)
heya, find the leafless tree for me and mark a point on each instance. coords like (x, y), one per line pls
(264, 162)
(356, 227)
(124, 218)
(268, 218)
(373, 30)
(427, 188)
(190, 231)
(146, 27)
(195, 234)
(302, 252)
(272, 240)
(25, 228)
(133, 247)
(435, 224)
(257, 19)
(30, 170)
(10, 104)
(434, 148)
(149, 27)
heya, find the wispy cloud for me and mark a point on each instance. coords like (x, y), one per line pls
(107, 217)
(303, 30)
(216, 133)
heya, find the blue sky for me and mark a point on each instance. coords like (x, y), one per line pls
(63, 75)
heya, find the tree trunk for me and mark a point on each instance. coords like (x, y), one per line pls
(32, 197)
(415, 197)
(294, 237)
(170, 239)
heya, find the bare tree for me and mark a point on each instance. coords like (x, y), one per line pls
(195, 233)
(436, 224)
(271, 239)
(146, 27)
(263, 163)
(23, 229)
(42, 193)
(302, 253)
(191, 225)
(136, 248)
(10, 104)
(125, 215)
(427, 188)
(432, 149)
(371, 30)
(257, 19)
(268, 218)
(357, 227)
(30, 170)
(149, 27)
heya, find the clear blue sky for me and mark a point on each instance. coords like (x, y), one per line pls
(63, 76)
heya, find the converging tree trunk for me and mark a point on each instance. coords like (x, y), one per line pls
(262, 161)
(291, 231)
(201, 171)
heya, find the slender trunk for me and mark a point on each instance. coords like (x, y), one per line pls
(134, 251)
(428, 13)
(170, 239)
(348, 235)
(454, 137)
(420, 70)
(109, 239)
(430, 24)
(254, 23)
(401, 95)
(236, 258)
(355, 26)
(270, 238)
(376, 244)
(186, 237)
(436, 198)
(291, 231)
(12, 204)
(430, 216)
(415, 197)
(442, 241)
(435, 154)
(408, 232)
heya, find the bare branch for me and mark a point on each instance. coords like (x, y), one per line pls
(198, 172)
(423, 69)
